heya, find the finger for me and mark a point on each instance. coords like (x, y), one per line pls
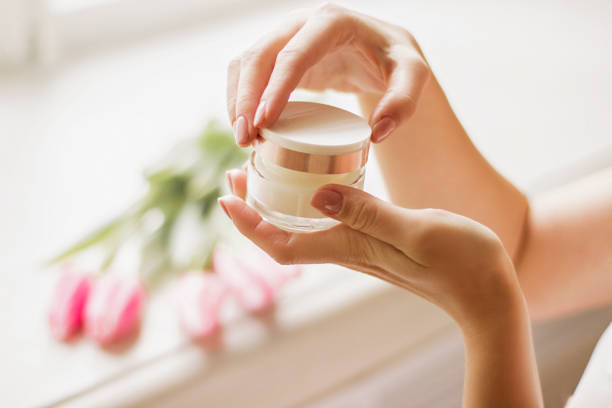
(256, 65)
(399, 102)
(363, 212)
(340, 244)
(237, 182)
(255, 69)
(251, 225)
(233, 76)
(322, 33)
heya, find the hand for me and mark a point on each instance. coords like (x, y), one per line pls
(327, 48)
(452, 261)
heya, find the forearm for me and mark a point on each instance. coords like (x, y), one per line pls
(500, 368)
(430, 162)
(566, 262)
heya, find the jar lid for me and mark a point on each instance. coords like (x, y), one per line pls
(316, 138)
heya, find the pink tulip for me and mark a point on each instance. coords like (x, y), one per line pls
(274, 274)
(68, 303)
(199, 297)
(114, 308)
(247, 286)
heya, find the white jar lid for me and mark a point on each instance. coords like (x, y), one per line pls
(315, 128)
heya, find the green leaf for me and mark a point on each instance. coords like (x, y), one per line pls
(192, 173)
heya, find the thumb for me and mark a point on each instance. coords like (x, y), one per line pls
(362, 212)
(399, 102)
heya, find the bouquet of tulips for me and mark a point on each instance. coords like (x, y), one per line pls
(182, 192)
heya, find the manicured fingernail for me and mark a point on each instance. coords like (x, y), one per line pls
(327, 201)
(241, 131)
(260, 114)
(382, 129)
(222, 204)
(228, 178)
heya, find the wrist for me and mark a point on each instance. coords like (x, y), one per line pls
(500, 362)
(504, 314)
(498, 306)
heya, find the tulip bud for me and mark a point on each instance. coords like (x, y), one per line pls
(248, 287)
(199, 297)
(114, 308)
(68, 303)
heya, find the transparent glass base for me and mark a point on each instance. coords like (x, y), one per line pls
(291, 223)
(282, 196)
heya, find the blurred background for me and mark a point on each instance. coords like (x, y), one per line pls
(94, 91)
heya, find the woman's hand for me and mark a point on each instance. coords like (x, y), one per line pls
(448, 259)
(452, 261)
(329, 47)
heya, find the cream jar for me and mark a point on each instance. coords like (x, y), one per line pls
(309, 146)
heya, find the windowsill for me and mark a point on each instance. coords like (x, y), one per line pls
(329, 324)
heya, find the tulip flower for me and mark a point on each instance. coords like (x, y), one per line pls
(199, 297)
(114, 308)
(68, 303)
(252, 292)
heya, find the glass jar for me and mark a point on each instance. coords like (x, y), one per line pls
(309, 146)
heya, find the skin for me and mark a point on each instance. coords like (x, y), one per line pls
(560, 241)
(566, 262)
(555, 246)
(450, 260)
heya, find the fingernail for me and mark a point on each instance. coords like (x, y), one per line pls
(229, 181)
(260, 114)
(222, 204)
(382, 129)
(241, 132)
(327, 201)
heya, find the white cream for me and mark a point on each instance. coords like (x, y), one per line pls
(315, 133)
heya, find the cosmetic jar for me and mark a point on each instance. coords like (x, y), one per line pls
(309, 146)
